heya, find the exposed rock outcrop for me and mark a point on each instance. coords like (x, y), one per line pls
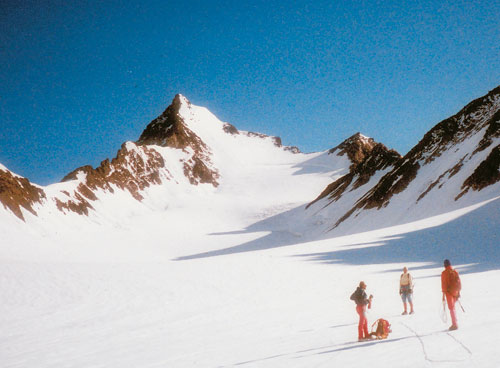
(357, 147)
(487, 173)
(17, 192)
(133, 169)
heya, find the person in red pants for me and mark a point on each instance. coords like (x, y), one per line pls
(451, 286)
(362, 302)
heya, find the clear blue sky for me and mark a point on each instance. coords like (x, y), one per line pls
(78, 78)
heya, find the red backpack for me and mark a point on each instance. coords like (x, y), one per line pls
(383, 329)
(454, 285)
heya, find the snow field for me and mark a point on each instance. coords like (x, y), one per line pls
(269, 308)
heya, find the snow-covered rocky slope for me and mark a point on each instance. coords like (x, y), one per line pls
(185, 151)
(455, 165)
(186, 168)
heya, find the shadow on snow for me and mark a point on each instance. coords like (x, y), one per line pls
(330, 349)
(472, 239)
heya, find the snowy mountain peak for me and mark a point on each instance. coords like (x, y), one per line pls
(171, 129)
(180, 100)
(367, 158)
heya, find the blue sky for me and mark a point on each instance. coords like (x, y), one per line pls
(78, 78)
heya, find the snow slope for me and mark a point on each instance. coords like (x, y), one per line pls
(239, 274)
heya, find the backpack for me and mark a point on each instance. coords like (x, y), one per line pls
(454, 283)
(383, 329)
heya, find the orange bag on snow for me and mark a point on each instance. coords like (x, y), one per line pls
(383, 329)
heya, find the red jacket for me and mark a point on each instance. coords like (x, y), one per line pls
(450, 282)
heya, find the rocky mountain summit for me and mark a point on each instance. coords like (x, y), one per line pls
(367, 157)
(168, 150)
(170, 130)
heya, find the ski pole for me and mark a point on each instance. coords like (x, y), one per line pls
(444, 317)
(460, 303)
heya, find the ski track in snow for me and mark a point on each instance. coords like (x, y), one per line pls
(422, 339)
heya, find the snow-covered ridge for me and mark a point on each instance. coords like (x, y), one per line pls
(456, 164)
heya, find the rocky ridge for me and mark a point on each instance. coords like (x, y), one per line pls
(17, 192)
(481, 116)
(137, 166)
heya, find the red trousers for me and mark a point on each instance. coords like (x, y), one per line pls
(363, 322)
(451, 300)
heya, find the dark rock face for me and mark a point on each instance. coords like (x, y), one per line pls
(276, 140)
(379, 158)
(292, 149)
(367, 158)
(196, 170)
(17, 193)
(487, 173)
(493, 131)
(169, 130)
(230, 129)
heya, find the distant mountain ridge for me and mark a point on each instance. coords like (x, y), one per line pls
(456, 163)
(137, 166)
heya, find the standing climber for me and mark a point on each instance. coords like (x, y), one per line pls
(362, 301)
(451, 286)
(406, 290)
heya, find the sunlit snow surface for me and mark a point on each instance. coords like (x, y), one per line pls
(242, 274)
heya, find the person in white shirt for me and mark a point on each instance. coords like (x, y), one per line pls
(406, 290)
